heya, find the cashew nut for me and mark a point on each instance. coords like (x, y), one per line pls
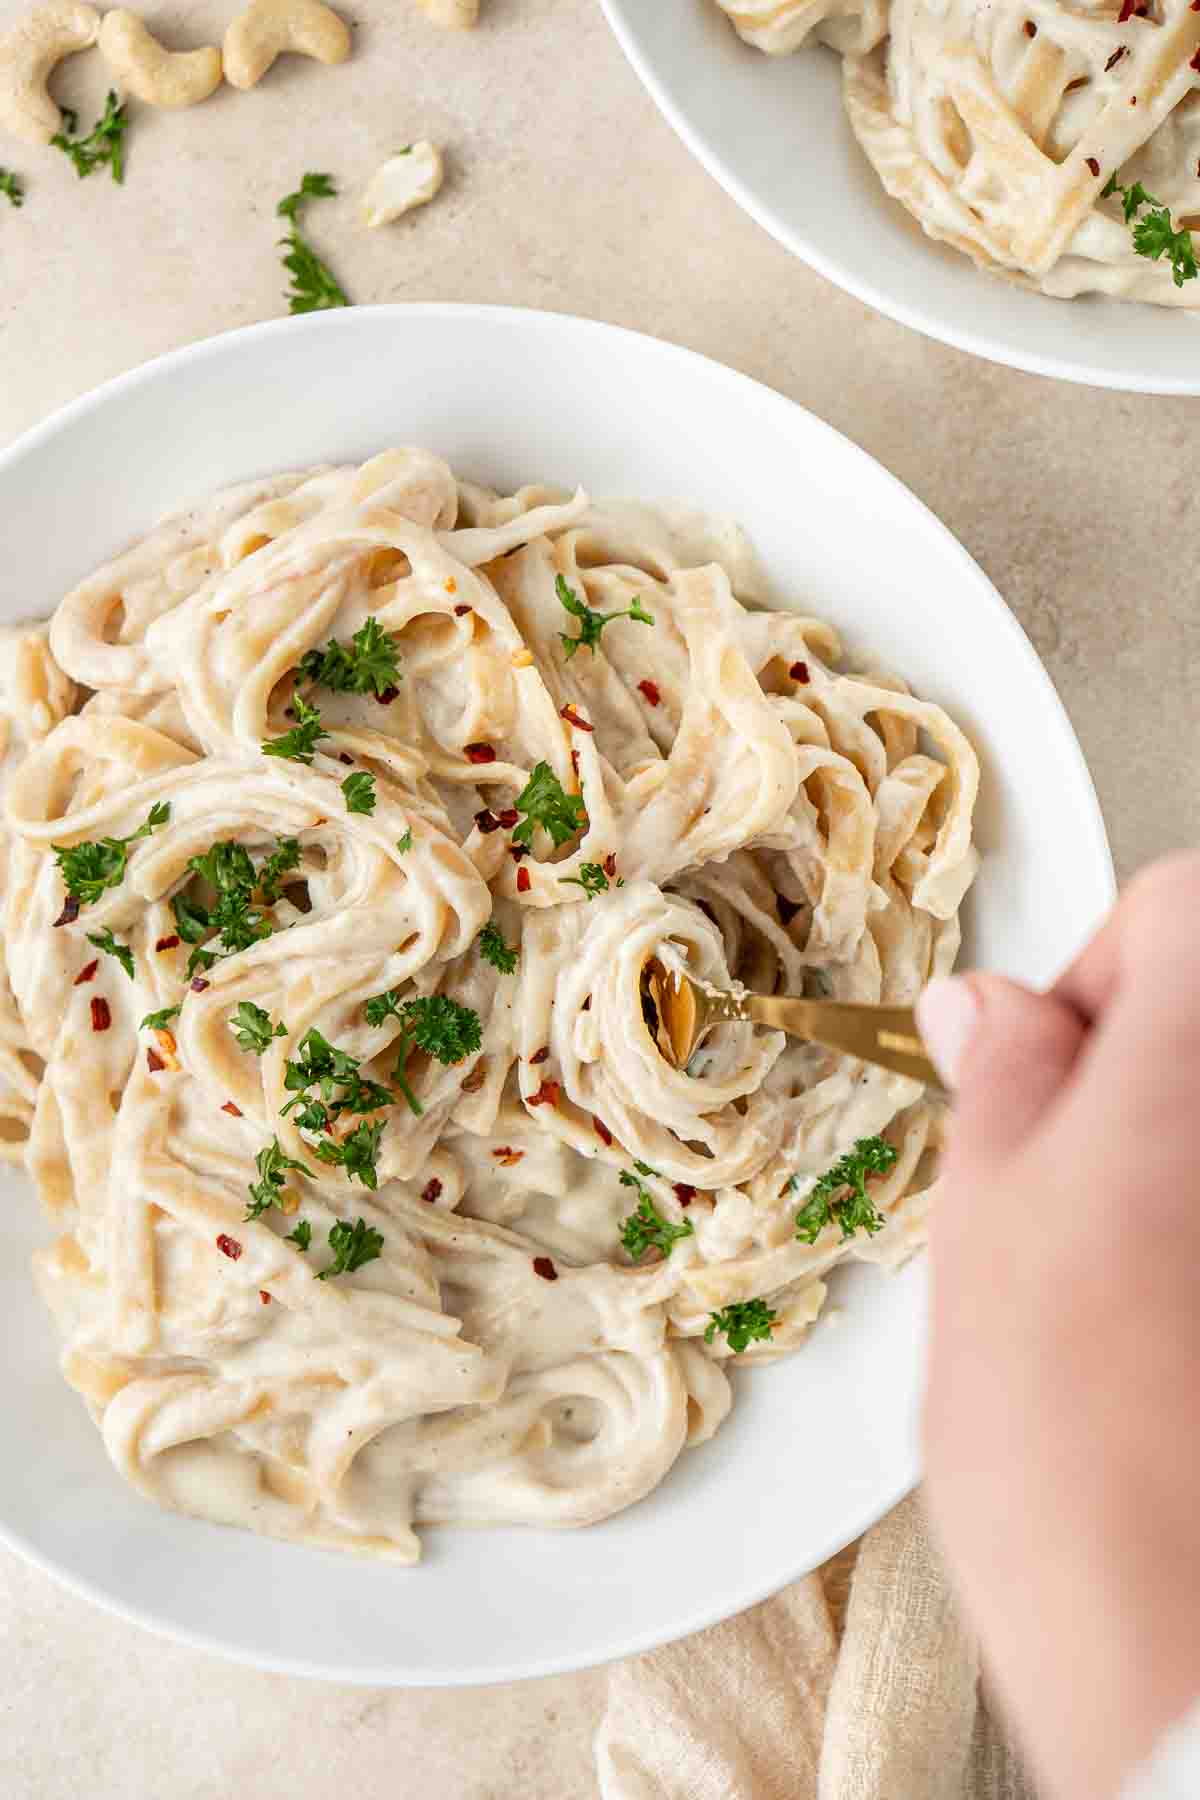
(457, 15)
(28, 57)
(146, 68)
(406, 180)
(268, 28)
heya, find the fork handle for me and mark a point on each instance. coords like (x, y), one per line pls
(886, 1035)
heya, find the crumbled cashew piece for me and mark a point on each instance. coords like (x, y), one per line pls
(456, 15)
(146, 68)
(29, 56)
(271, 28)
(408, 179)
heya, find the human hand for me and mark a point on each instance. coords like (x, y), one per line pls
(1063, 1408)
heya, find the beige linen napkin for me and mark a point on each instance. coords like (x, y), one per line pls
(818, 1694)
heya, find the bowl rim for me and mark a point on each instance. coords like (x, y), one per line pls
(706, 1612)
(958, 335)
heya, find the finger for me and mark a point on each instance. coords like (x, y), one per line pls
(1159, 901)
(1007, 1053)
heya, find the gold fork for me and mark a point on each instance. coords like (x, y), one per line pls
(886, 1035)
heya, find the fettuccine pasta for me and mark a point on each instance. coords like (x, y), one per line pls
(376, 1202)
(1055, 142)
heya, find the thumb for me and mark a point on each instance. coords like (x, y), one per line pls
(1005, 1050)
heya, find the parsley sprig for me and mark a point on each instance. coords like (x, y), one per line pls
(359, 790)
(357, 1153)
(338, 1078)
(104, 144)
(1153, 233)
(272, 1165)
(88, 868)
(12, 187)
(352, 1246)
(434, 1023)
(545, 802)
(742, 1322)
(840, 1197)
(299, 744)
(591, 623)
(494, 950)
(252, 1027)
(645, 1228)
(160, 1021)
(314, 286)
(591, 878)
(104, 940)
(301, 1236)
(369, 663)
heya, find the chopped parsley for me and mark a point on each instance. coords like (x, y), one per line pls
(369, 663)
(299, 744)
(227, 867)
(840, 1197)
(434, 1023)
(357, 1154)
(338, 1078)
(404, 844)
(104, 940)
(359, 790)
(12, 187)
(352, 1246)
(282, 860)
(742, 1322)
(591, 624)
(88, 868)
(104, 144)
(645, 1228)
(1153, 233)
(493, 949)
(591, 878)
(313, 284)
(302, 1235)
(272, 1165)
(544, 802)
(160, 1021)
(252, 1027)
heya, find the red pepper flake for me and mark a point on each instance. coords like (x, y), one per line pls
(86, 973)
(523, 882)
(506, 1156)
(1092, 164)
(70, 911)
(575, 761)
(343, 758)
(787, 909)
(610, 864)
(199, 984)
(451, 585)
(432, 1190)
(487, 821)
(1133, 100)
(1195, 62)
(799, 672)
(229, 1246)
(235, 1112)
(547, 1094)
(651, 691)
(480, 753)
(602, 1131)
(168, 943)
(508, 817)
(573, 718)
(545, 1268)
(1128, 8)
(101, 1015)
(684, 1193)
(517, 851)
(289, 712)
(1030, 29)
(264, 1296)
(154, 1062)
(460, 612)
(539, 1056)
(387, 696)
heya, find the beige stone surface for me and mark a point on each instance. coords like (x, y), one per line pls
(564, 190)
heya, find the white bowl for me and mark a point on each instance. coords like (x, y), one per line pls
(818, 1446)
(774, 133)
